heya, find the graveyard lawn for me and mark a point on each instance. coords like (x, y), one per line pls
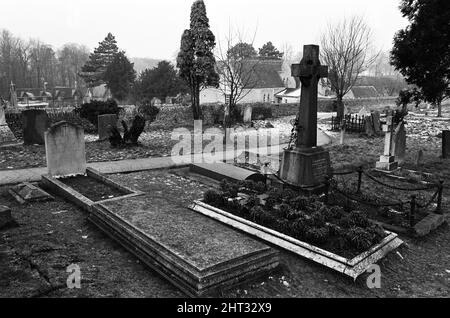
(54, 235)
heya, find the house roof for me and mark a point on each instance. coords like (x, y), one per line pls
(364, 92)
(262, 73)
(289, 92)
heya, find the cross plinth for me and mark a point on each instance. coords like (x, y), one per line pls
(309, 72)
(307, 166)
(387, 160)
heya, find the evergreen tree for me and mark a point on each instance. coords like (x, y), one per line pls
(196, 60)
(160, 82)
(120, 76)
(421, 52)
(93, 71)
(242, 51)
(270, 52)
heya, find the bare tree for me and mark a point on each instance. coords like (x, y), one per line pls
(346, 47)
(236, 67)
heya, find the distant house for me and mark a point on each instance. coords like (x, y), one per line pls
(67, 94)
(100, 93)
(292, 95)
(263, 81)
(359, 92)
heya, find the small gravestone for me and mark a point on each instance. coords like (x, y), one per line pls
(399, 143)
(5, 217)
(6, 135)
(369, 126)
(35, 124)
(105, 124)
(247, 114)
(364, 112)
(27, 193)
(376, 122)
(65, 150)
(446, 144)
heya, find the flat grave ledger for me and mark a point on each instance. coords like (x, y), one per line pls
(28, 193)
(220, 171)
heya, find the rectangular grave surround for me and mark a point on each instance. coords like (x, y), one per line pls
(350, 267)
(68, 192)
(197, 254)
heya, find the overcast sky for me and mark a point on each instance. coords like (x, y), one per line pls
(150, 28)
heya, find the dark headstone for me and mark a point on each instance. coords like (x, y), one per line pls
(399, 143)
(5, 216)
(376, 122)
(369, 126)
(35, 123)
(446, 144)
(105, 124)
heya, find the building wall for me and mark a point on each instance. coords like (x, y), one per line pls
(257, 95)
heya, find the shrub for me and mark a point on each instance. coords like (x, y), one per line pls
(92, 110)
(261, 112)
(149, 111)
(359, 238)
(317, 235)
(213, 197)
(229, 189)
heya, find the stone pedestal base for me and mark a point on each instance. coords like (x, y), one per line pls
(305, 168)
(387, 163)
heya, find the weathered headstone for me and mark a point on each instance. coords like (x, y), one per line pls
(419, 158)
(35, 124)
(387, 160)
(65, 150)
(369, 126)
(446, 144)
(399, 143)
(5, 216)
(247, 118)
(6, 135)
(376, 122)
(105, 124)
(27, 193)
(307, 165)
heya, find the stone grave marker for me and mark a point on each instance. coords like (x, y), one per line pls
(6, 135)
(5, 216)
(376, 122)
(27, 193)
(105, 123)
(399, 143)
(419, 158)
(65, 150)
(307, 165)
(446, 144)
(387, 160)
(35, 124)
(247, 118)
(369, 126)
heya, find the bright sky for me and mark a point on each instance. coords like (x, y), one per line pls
(153, 28)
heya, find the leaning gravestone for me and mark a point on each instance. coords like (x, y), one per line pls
(399, 143)
(376, 122)
(247, 114)
(65, 150)
(35, 124)
(6, 135)
(369, 126)
(105, 124)
(446, 144)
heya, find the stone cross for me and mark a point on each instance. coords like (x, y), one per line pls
(309, 71)
(388, 128)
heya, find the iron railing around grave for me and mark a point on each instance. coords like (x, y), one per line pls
(412, 202)
(353, 123)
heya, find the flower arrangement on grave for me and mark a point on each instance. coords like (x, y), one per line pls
(308, 219)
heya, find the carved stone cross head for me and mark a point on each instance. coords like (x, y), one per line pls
(309, 68)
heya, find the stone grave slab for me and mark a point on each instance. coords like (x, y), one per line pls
(28, 193)
(195, 253)
(220, 171)
(5, 217)
(65, 150)
(105, 123)
(247, 118)
(35, 124)
(446, 144)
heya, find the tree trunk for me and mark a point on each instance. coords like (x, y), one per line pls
(197, 111)
(439, 107)
(226, 116)
(340, 108)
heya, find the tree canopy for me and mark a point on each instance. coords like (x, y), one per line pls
(421, 51)
(196, 60)
(269, 51)
(119, 76)
(242, 51)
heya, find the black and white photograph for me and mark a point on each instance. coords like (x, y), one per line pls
(231, 156)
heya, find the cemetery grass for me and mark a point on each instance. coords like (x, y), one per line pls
(54, 235)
